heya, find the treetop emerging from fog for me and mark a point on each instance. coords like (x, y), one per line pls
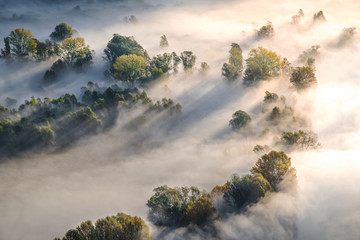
(61, 32)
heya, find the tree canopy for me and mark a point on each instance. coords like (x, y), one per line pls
(239, 120)
(61, 32)
(179, 206)
(130, 68)
(119, 227)
(303, 77)
(121, 45)
(273, 166)
(22, 42)
(262, 64)
(303, 140)
(161, 62)
(266, 31)
(246, 190)
(188, 59)
(233, 69)
(74, 52)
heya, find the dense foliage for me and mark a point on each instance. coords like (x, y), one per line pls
(239, 120)
(61, 32)
(119, 227)
(303, 77)
(176, 207)
(59, 122)
(262, 64)
(179, 207)
(266, 31)
(121, 45)
(233, 69)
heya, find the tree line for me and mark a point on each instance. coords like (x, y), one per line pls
(178, 207)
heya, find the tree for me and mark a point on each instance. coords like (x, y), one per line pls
(273, 166)
(286, 67)
(61, 32)
(176, 61)
(233, 69)
(312, 52)
(270, 97)
(22, 42)
(119, 227)
(303, 77)
(266, 31)
(121, 45)
(239, 120)
(201, 211)
(246, 190)
(45, 50)
(130, 68)
(204, 68)
(74, 52)
(178, 206)
(258, 149)
(296, 19)
(262, 64)
(164, 42)
(188, 59)
(275, 114)
(7, 49)
(319, 17)
(304, 140)
(162, 62)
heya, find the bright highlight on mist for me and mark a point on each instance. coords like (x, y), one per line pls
(179, 120)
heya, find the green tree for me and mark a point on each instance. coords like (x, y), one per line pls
(22, 42)
(239, 120)
(45, 50)
(119, 227)
(262, 64)
(61, 32)
(201, 211)
(270, 97)
(121, 45)
(246, 190)
(233, 69)
(170, 206)
(162, 62)
(304, 140)
(258, 149)
(74, 52)
(188, 59)
(275, 114)
(130, 68)
(303, 77)
(273, 166)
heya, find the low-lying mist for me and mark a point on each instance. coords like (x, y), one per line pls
(44, 195)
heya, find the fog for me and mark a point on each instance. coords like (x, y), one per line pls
(44, 195)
